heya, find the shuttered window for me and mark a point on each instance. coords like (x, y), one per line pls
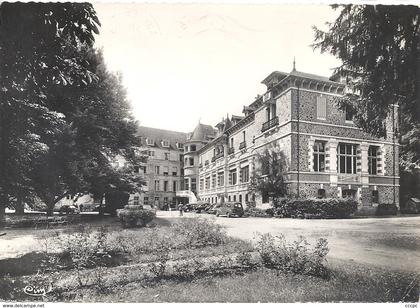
(321, 107)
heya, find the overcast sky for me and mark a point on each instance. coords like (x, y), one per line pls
(182, 63)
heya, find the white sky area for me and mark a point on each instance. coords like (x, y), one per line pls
(182, 63)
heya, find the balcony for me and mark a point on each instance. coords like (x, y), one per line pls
(242, 145)
(231, 150)
(217, 156)
(269, 124)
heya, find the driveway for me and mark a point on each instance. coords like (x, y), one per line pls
(386, 242)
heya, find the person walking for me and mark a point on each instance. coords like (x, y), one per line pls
(181, 209)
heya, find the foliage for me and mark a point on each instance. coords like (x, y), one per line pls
(257, 212)
(294, 257)
(379, 49)
(135, 216)
(268, 177)
(318, 208)
(199, 232)
(385, 209)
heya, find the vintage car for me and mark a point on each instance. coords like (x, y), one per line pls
(230, 209)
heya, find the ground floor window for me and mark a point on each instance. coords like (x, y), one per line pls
(229, 198)
(265, 198)
(146, 200)
(375, 196)
(321, 193)
(373, 159)
(319, 156)
(246, 198)
(346, 158)
(349, 193)
(240, 198)
(136, 200)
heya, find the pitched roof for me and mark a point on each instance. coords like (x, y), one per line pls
(202, 132)
(158, 135)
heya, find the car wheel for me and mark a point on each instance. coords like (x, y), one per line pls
(217, 214)
(228, 215)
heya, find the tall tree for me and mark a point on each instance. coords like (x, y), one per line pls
(32, 39)
(268, 178)
(379, 49)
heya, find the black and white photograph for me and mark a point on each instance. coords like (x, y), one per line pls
(209, 152)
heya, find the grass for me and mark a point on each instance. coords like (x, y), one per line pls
(357, 283)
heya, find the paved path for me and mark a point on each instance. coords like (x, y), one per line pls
(386, 242)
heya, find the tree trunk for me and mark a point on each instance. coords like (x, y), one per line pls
(101, 209)
(2, 215)
(50, 206)
(19, 207)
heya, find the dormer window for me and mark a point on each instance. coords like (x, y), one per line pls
(150, 141)
(165, 143)
(349, 115)
(179, 145)
(266, 97)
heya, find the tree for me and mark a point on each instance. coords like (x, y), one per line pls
(379, 49)
(268, 177)
(32, 38)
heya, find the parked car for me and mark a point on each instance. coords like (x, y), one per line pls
(188, 207)
(230, 209)
(66, 209)
(201, 206)
(213, 208)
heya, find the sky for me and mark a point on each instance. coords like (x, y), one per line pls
(185, 63)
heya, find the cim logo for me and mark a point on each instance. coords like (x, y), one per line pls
(34, 291)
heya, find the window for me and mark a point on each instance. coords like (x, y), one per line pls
(375, 196)
(165, 185)
(346, 159)
(191, 161)
(349, 193)
(373, 159)
(243, 135)
(240, 198)
(136, 200)
(152, 153)
(349, 114)
(234, 198)
(221, 179)
(157, 188)
(207, 182)
(180, 146)
(144, 169)
(174, 171)
(321, 107)
(231, 142)
(157, 169)
(319, 156)
(136, 169)
(174, 186)
(232, 177)
(321, 193)
(150, 141)
(166, 156)
(229, 198)
(186, 184)
(213, 181)
(165, 170)
(181, 157)
(194, 184)
(165, 143)
(146, 200)
(246, 198)
(244, 176)
(265, 198)
(201, 184)
(193, 148)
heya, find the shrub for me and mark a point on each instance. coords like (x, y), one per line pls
(199, 232)
(297, 257)
(257, 212)
(317, 208)
(134, 215)
(384, 209)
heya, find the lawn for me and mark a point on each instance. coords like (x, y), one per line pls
(347, 284)
(192, 260)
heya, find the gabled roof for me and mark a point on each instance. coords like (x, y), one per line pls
(158, 135)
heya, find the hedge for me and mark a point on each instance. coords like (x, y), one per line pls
(317, 208)
(385, 209)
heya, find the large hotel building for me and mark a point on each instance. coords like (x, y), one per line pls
(327, 155)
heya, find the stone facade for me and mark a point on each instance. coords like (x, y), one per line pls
(327, 155)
